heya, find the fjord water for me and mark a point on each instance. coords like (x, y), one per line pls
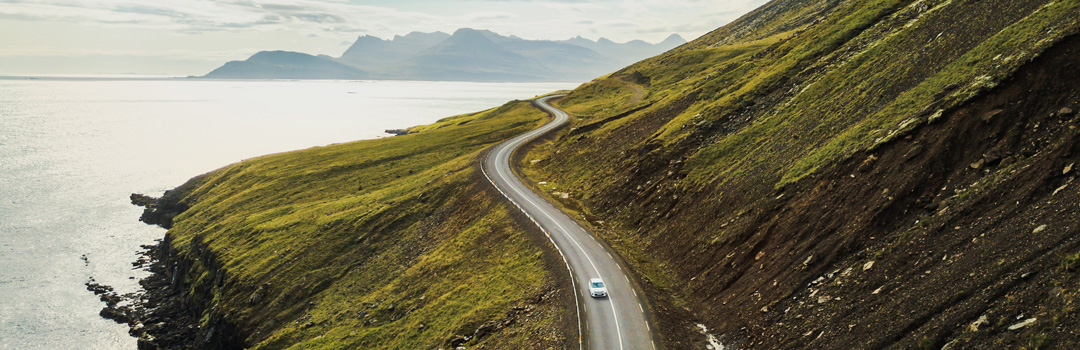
(71, 151)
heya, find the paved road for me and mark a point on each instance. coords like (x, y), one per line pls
(616, 322)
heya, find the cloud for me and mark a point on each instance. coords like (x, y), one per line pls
(319, 17)
(204, 15)
(614, 18)
(490, 16)
(342, 20)
(151, 10)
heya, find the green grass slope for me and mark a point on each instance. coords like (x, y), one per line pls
(394, 243)
(727, 171)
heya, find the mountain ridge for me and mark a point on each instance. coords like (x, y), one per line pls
(286, 65)
(410, 57)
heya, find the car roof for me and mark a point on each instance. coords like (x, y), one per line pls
(596, 280)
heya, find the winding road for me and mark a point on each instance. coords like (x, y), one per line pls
(618, 322)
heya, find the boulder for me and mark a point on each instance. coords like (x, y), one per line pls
(978, 323)
(457, 341)
(1065, 112)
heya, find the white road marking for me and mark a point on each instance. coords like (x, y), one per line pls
(573, 282)
(570, 269)
(506, 175)
(615, 314)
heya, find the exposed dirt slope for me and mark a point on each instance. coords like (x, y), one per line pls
(947, 225)
(878, 176)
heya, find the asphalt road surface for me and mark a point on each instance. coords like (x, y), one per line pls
(616, 322)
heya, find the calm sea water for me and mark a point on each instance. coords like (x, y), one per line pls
(72, 151)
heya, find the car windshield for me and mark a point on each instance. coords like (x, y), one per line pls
(598, 284)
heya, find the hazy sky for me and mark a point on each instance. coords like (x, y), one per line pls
(191, 37)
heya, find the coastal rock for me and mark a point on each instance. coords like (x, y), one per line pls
(98, 289)
(120, 315)
(143, 200)
(145, 344)
(162, 317)
(159, 211)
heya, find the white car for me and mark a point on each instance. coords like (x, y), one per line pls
(597, 289)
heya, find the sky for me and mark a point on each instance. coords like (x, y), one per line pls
(192, 37)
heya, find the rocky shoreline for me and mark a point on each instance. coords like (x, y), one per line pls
(163, 315)
(156, 316)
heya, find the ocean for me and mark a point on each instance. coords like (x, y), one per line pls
(72, 151)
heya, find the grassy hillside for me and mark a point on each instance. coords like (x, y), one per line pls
(394, 243)
(868, 173)
(817, 174)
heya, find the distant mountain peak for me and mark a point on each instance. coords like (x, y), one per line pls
(277, 55)
(468, 35)
(422, 37)
(466, 31)
(467, 54)
(581, 41)
(286, 65)
(673, 40)
(674, 36)
(416, 34)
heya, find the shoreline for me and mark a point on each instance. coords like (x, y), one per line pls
(161, 315)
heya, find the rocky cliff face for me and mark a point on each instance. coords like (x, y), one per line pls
(825, 174)
(174, 310)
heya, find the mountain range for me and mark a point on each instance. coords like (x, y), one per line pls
(466, 55)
